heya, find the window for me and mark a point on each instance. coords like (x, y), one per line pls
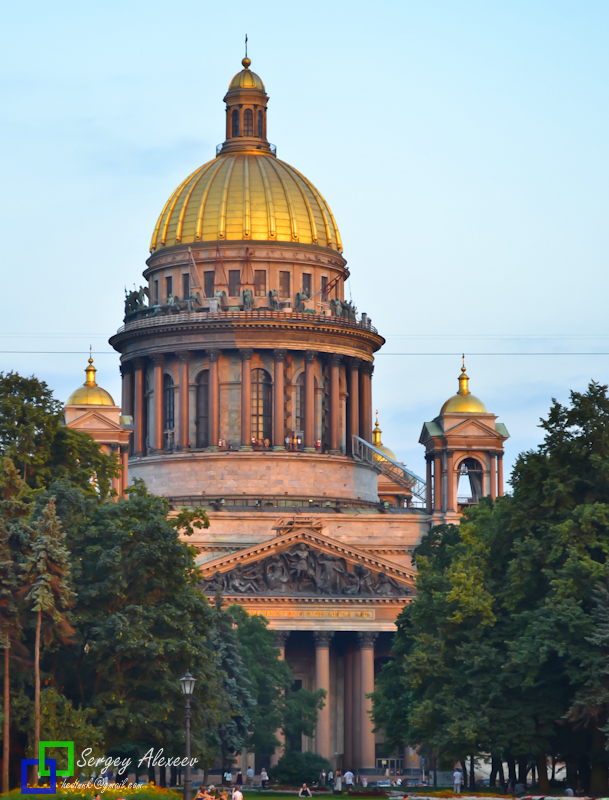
(284, 284)
(186, 286)
(168, 411)
(248, 122)
(324, 283)
(234, 282)
(306, 283)
(261, 405)
(260, 282)
(168, 287)
(299, 411)
(236, 122)
(202, 412)
(208, 278)
(260, 126)
(156, 293)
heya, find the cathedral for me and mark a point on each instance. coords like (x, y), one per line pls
(247, 390)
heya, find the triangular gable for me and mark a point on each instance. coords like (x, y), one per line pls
(474, 428)
(93, 421)
(304, 562)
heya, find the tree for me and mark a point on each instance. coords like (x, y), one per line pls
(48, 593)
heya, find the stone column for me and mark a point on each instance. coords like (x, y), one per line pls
(493, 476)
(309, 426)
(157, 438)
(348, 711)
(125, 472)
(368, 753)
(138, 411)
(213, 404)
(500, 474)
(184, 389)
(246, 399)
(428, 486)
(281, 638)
(357, 709)
(353, 430)
(322, 681)
(450, 483)
(365, 401)
(279, 421)
(127, 390)
(334, 402)
(437, 483)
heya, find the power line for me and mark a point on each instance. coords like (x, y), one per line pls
(492, 354)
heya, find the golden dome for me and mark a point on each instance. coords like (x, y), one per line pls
(246, 195)
(90, 394)
(376, 441)
(246, 79)
(464, 402)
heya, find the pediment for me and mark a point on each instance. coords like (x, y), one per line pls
(93, 421)
(303, 562)
(473, 428)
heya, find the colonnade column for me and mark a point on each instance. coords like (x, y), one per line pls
(214, 399)
(450, 482)
(368, 751)
(365, 401)
(500, 474)
(493, 477)
(279, 421)
(157, 439)
(127, 390)
(437, 482)
(138, 397)
(246, 399)
(281, 638)
(334, 402)
(309, 426)
(322, 681)
(353, 429)
(356, 699)
(125, 465)
(428, 486)
(184, 389)
(348, 762)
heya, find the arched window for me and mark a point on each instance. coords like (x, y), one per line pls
(236, 122)
(202, 417)
(168, 411)
(470, 485)
(260, 126)
(299, 404)
(248, 122)
(262, 394)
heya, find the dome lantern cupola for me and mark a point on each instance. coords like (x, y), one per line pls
(464, 402)
(90, 394)
(246, 104)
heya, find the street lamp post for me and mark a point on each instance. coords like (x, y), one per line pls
(188, 686)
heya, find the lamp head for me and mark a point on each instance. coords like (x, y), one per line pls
(188, 684)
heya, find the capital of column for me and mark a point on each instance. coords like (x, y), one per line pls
(138, 362)
(322, 638)
(355, 363)
(158, 359)
(246, 354)
(334, 358)
(367, 368)
(281, 638)
(184, 356)
(279, 355)
(366, 639)
(310, 356)
(213, 354)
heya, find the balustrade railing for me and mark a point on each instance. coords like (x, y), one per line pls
(366, 452)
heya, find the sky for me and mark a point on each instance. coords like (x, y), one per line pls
(461, 145)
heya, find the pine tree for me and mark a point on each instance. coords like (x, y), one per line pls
(48, 592)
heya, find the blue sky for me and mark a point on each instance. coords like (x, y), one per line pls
(462, 147)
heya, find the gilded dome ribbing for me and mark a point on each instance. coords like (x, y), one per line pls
(246, 195)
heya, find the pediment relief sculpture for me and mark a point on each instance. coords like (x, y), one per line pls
(302, 570)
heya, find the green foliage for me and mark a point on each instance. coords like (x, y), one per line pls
(300, 716)
(506, 630)
(295, 768)
(61, 722)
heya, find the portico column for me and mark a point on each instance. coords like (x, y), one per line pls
(157, 440)
(334, 402)
(437, 483)
(500, 474)
(322, 681)
(348, 711)
(428, 486)
(309, 426)
(281, 638)
(493, 477)
(450, 482)
(365, 401)
(354, 366)
(357, 710)
(246, 399)
(279, 420)
(214, 399)
(138, 397)
(368, 752)
(184, 389)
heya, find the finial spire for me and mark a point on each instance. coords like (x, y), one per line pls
(90, 370)
(376, 433)
(463, 380)
(246, 61)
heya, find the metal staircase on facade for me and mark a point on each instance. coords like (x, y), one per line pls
(365, 452)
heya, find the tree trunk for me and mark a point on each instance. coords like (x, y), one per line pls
(523, 768)
(492, 778)
(598, 778)
(511, 771)
(464, 771)
(6, 723)
(37, 693)
(472, 774)
(542, 769)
